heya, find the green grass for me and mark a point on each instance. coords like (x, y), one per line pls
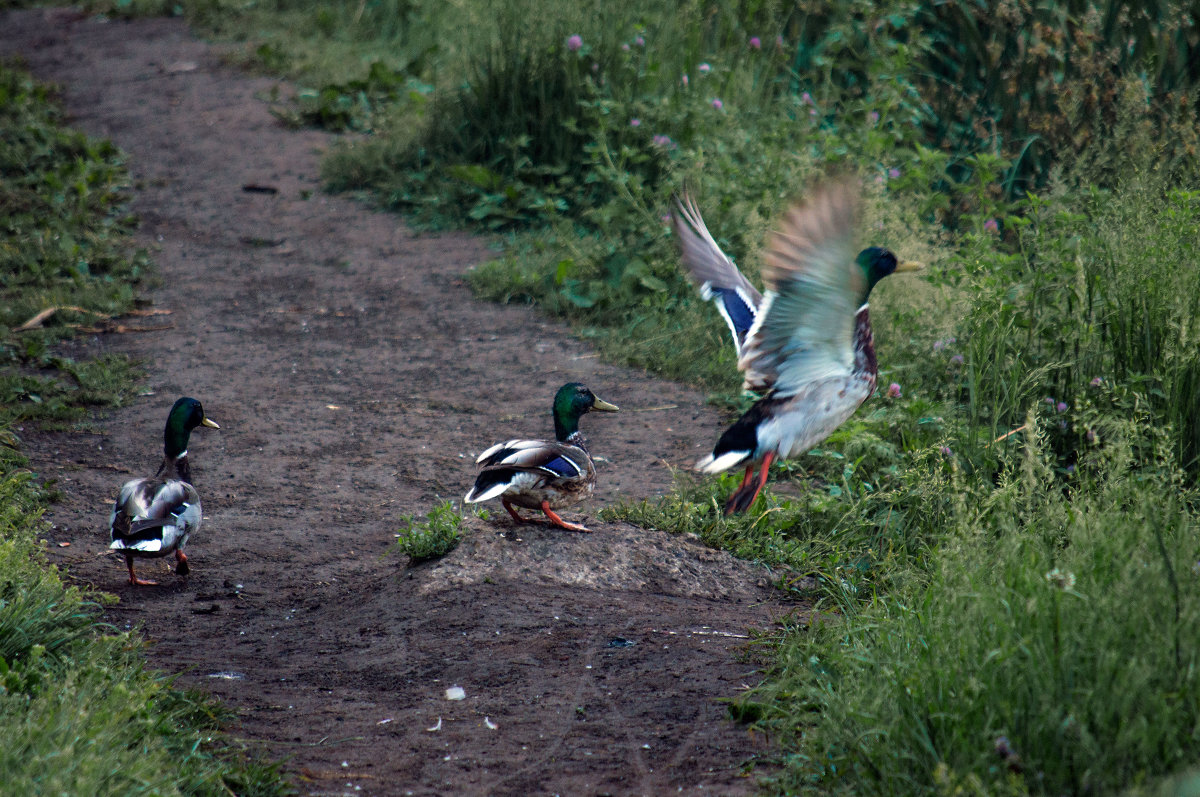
(1065, 623)
(79, 711)
(64, 235)
(64, 243)
(931, 541)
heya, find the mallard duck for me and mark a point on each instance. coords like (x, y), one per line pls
(806, 344)
(544, 474)
(154, 517)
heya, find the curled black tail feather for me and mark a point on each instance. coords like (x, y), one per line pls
(489, 478)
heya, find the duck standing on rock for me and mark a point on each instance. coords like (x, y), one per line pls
(154, 517)
(805, 344)
(544, 474)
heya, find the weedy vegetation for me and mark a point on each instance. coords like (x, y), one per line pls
(79, 711)
(436, 536)
(1003, 558)
(64, 243)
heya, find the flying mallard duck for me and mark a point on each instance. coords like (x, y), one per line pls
(153, 517)
(540, 474)
(806, 344)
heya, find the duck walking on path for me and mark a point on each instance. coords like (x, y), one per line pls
(154, 517)
(544, 474)
(806, 344)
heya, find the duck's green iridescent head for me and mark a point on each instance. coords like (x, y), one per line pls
(572, 402)
(185, 416)
(877, 263)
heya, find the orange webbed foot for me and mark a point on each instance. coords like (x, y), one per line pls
(558, 521)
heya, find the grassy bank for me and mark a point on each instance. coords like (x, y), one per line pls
(1004, 554)
(79, 711)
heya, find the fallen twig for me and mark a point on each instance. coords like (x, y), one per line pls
(106, 325)
(118, 329)
(150, 311)
(1007, 435)
(105, 466)
(41, 317)
(655, 409)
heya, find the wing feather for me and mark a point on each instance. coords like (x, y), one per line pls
(553, 458)
(501, 451)
(714, 274)
(805, 327)
(171, 498)
(531, 464)
(151, 515)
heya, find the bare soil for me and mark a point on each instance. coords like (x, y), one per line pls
(355, 379)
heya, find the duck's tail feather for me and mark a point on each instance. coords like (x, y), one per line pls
(142, 535)
(490, 484)
(715, 463)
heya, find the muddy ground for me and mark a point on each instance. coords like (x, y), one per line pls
(355, 379)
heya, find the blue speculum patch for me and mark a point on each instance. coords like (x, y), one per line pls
(562, 466)
(739, 313)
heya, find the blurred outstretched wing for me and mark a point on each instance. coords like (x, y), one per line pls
(805, 326)
(717, 278)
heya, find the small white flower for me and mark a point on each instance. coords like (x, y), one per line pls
(1061, 579)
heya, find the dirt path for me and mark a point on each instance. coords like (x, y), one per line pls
(355, 380)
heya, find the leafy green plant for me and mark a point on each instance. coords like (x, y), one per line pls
(437, 536)
(355, 104)
(1093, 292)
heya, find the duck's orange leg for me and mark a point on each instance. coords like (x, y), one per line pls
(744, 496)
(556, 520)
(182, 567)
(762, 475)
(746, 478)
(513, 512)
(133, 579)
